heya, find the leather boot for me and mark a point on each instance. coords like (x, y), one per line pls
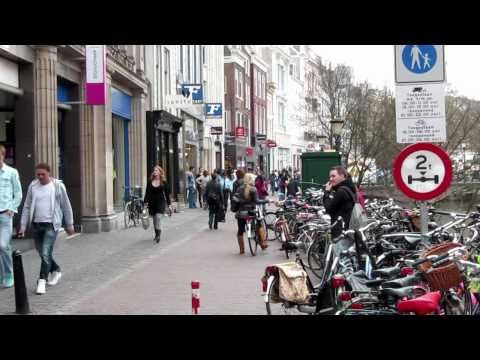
(157, 236)
(241, 244)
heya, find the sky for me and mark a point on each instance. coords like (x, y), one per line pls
(375, 63)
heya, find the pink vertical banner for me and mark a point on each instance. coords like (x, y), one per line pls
(95, 86)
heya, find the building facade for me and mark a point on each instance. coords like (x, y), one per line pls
(238, 112)
(96, 150)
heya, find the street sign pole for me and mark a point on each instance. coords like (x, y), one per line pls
(424, 218)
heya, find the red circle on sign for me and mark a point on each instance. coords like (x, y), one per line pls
(437, 150)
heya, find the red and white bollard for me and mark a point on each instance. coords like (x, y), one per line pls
(195, 296)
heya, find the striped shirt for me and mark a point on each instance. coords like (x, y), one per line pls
(10, 189)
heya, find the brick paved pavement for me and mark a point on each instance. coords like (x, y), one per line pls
(122, 272)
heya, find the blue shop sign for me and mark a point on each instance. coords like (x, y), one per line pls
(193, 90)
(213, 109)
(121, 104)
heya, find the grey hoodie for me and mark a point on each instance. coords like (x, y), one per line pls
(61, 205)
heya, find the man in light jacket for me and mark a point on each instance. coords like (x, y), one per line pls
(10, 199)
(45, 206)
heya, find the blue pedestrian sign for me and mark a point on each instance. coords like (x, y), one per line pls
(419, 59)
(419, 63)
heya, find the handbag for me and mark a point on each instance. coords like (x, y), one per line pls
(145, 218)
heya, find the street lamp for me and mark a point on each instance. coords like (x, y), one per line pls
(336, 126)
(322, 141)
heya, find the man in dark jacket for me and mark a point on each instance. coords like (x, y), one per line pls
(292, 187)
(339, 198)
(214, 196)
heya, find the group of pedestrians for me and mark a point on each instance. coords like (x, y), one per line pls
(45, 208)
(284, 183)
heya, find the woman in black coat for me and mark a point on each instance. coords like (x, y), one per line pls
(214, 198)
(157, 197)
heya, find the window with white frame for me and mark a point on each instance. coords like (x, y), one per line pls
(247, 96)
(167, 72)
(257, 81)
(228, 122)
(238, 120)
(247, 68)
(281, 77)
(262, 86)
(240, 82)
(236, 81)
(281, 115)
(292, 70)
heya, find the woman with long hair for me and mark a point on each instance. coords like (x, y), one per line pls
(248, 196)
(157, 197)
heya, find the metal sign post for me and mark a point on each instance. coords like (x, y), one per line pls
(424, 218)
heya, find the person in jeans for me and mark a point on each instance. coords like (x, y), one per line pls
(157, 197)
(228, 188)
(199, 190)
(192, 192)
(45, 206)
(10, 199)
(203, 181)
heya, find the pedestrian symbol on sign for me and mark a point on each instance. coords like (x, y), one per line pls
(419, 59)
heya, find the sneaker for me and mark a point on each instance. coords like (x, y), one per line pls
(41, 287)
(55, 278)
(8, 282)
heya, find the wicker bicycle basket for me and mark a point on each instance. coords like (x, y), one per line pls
(443, 277)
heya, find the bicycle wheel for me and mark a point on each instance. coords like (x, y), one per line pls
(316, 257)
(277, 306)
(252, 239)
(127, 214)
(270, 220)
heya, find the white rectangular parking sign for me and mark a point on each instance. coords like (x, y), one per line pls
(420, 113)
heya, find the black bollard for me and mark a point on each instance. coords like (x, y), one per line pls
(21, 298)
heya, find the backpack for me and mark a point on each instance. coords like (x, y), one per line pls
(359, 218)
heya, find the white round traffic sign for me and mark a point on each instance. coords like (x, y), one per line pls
(423, 171)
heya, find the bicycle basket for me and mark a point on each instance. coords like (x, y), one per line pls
(443, 277)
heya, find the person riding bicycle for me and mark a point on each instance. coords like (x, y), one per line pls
(339, 198)
(248, 198)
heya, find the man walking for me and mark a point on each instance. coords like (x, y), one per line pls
(45, 206)
(10, 199)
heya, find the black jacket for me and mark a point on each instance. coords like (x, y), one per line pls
(339, 202)
(237, 183)
(292, 188)
(214, 187)
(250, 203)
(157, 198)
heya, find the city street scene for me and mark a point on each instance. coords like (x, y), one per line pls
(239, 180)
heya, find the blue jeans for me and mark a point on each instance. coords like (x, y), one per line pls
(192, 195)
(6, 265)
(45, 236)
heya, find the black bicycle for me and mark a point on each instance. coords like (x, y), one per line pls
(133, 207)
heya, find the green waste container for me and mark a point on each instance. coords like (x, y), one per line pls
(316, 168)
